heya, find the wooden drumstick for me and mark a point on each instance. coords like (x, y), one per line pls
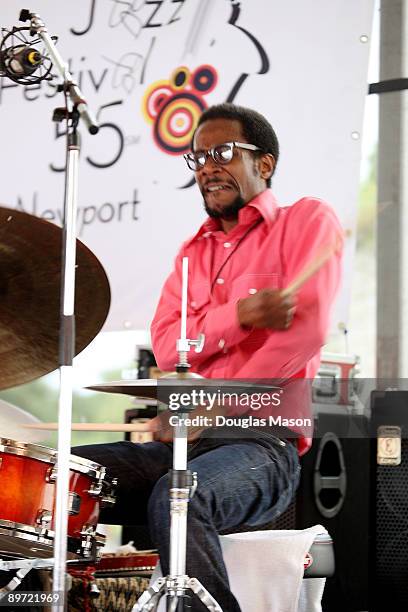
(311, 268)
(122, 427)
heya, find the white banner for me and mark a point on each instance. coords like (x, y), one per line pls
(148, 69)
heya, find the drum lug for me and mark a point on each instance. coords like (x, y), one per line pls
(96, 489)
(109, 499)
(88, 533)
(74, 503)
(91, 542)
(44, 518)
(51, 475)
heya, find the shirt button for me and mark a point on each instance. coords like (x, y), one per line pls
(220, 281)
(252, 291)
(221, 343)
(193, 304)
(227, 245)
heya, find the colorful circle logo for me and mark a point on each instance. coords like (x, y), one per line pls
(174, 106)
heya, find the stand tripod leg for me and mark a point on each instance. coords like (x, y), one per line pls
(202, 593)
(149, 599)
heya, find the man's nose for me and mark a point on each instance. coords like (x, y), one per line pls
(210, 165)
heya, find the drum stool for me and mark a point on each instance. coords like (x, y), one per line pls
(244, 573)
(322, 558)
(264, 571)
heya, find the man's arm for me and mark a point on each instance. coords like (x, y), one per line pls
(214, 322)
(312, 230)
(312, 227)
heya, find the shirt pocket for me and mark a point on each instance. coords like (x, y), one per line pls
(199, 296)
(249, 284)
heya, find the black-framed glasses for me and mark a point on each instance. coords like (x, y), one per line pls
(221, 154)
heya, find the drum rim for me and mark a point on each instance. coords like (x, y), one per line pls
(23, 527)
(42, 531)
(50, 455)
(40, 535)
(24, 449)
(87, 467)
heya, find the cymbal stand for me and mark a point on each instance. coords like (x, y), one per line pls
(67, 315)
(183, 484)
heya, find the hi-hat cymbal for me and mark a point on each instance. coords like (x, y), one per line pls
(30, 275)
(150, 387)
(13, 423)
(143, 387)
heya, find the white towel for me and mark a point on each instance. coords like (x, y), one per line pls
(265, 570)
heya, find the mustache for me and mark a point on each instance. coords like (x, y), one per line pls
(214, 181)
(229, 179)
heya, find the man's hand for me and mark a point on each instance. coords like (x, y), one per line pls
(266, 309)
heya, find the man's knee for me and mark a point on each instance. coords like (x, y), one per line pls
(159, 506)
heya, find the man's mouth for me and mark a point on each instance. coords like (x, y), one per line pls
(212, 187)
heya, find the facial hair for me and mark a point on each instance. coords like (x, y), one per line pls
(228, 212)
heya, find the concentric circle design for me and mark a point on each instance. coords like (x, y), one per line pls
(180, 77)
(154, 99)
(176, 121)
(174, 106)
(204, 79)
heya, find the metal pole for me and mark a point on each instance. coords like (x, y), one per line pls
(67, 351)
(67, 321)
(392, 214)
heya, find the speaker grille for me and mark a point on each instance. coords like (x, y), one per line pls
(392, 530)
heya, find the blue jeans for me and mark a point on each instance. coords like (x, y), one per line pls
(246, 480)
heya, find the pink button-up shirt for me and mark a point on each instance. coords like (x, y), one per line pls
(268, 248)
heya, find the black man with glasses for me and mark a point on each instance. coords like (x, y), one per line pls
(245, 253)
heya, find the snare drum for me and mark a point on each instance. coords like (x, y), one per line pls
(28, 474)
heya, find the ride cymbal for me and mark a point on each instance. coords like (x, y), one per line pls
(30, 279)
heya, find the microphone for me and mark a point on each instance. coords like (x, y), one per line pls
(20, 61)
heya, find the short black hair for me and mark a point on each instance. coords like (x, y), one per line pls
(255, 127)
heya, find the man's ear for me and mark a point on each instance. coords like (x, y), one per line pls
(266, 165)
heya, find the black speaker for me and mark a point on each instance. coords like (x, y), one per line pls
(335, 492)
(389, 542)
(355, 483)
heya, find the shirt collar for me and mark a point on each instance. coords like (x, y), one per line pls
(264, 204)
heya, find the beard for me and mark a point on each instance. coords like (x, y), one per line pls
(228, 212)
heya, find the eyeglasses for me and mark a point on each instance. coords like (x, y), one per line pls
(221, 154)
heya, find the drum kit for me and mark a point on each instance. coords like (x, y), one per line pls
(30, 275)
(30, 278)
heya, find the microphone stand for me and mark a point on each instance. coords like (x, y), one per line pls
(67, 315)
(183, 484)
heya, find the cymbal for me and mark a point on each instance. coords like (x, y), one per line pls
(147, 388)
(13, 423)
(143, 387)
(30, 275)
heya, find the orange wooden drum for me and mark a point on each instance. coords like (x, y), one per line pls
(28, 474)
